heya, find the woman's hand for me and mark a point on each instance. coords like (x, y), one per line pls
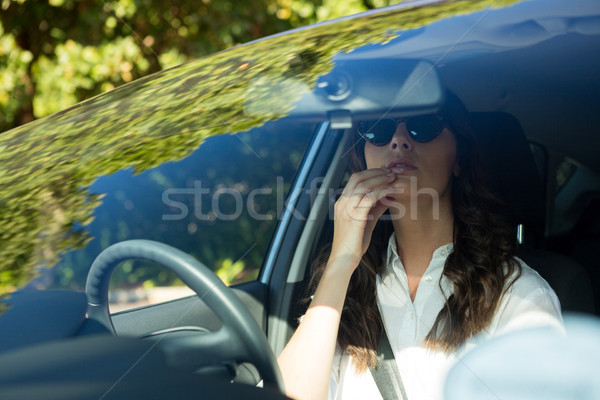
(308, 357)
(357, 211)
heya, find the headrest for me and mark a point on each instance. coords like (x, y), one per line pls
(510, 170)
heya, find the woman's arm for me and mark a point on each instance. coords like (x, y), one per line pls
(307, 359)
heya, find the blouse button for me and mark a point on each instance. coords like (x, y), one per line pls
(428, 279)
(444, 252)
(412, 316)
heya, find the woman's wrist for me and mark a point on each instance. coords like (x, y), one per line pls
(333, 285)
(342, 264)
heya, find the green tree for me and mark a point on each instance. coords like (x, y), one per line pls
(56, 53)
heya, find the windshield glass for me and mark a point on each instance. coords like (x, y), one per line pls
(136, 162)
(220, 204)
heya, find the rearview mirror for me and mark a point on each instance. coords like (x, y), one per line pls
(359, 89)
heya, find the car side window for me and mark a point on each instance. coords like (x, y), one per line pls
(220, 204)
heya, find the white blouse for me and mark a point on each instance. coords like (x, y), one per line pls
(529, 302)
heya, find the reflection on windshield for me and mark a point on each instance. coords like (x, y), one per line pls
(220, 204)
(49, 165)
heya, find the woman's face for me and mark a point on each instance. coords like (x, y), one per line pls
(421, 168)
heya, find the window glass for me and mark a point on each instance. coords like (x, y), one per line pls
(564, 172)
(220, 204)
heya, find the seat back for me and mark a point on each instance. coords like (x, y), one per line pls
(512, 175)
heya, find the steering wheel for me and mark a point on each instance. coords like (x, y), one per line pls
(239, 339)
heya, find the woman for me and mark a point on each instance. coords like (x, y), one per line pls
(420, 250)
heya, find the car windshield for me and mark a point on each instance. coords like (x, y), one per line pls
(201, 157)
(220, 204)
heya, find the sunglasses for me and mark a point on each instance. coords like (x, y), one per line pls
(422, 129)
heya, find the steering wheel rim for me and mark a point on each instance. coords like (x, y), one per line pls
(239, 338)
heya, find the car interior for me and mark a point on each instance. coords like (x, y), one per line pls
(515, 171)
(535, 116)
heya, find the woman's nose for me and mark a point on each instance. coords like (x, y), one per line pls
(400, 139)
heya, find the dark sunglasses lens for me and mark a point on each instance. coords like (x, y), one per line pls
(378, 132)
(424, 128)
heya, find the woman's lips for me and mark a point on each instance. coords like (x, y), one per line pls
(402, 170)
(401, 166)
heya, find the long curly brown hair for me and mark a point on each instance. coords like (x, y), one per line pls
(479, 267)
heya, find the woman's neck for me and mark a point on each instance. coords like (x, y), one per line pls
(419, 234)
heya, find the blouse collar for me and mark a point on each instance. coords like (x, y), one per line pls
(393, 260)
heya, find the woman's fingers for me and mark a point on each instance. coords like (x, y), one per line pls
(367, 206)
(375, 213)
(367, 180)
(358, 209)
(365, 184)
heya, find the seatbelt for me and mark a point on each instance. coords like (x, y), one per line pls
(386, 374)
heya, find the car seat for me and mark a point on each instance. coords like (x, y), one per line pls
(511, 173)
